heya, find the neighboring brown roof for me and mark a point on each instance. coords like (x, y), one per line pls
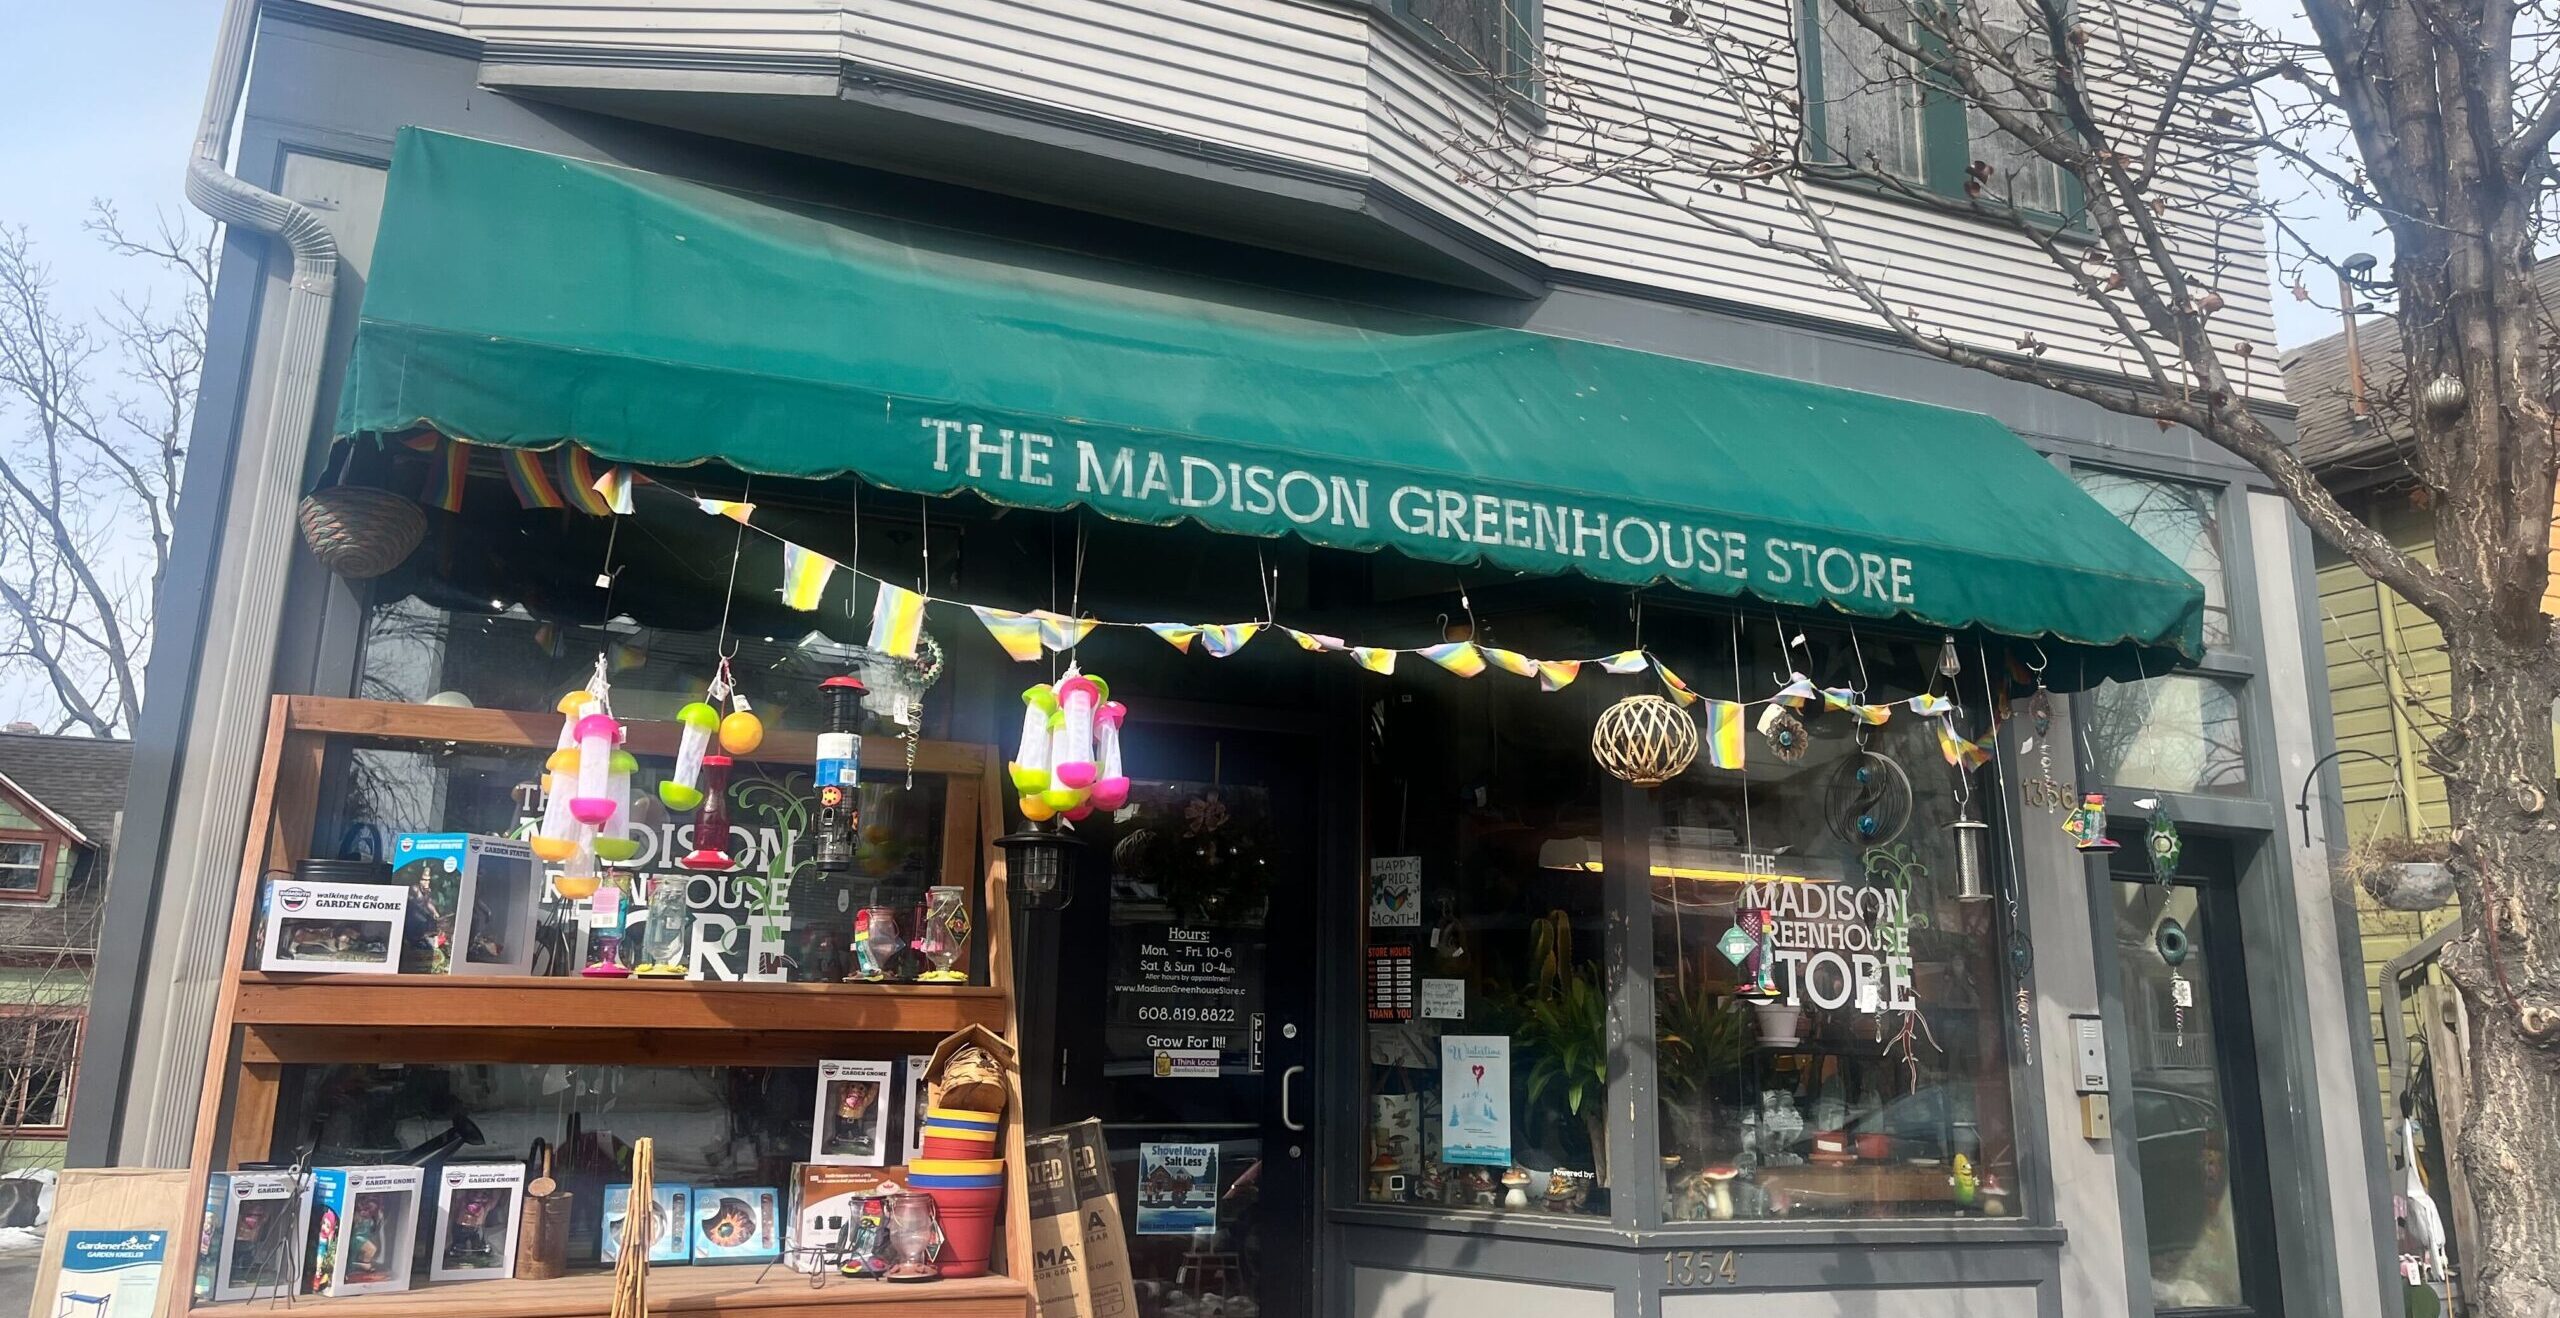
(79, 778)
(2336, 441)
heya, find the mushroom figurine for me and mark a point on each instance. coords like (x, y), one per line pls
(1995, 1196)
(682, 791)
(1515, 1188)
(1720, 1191)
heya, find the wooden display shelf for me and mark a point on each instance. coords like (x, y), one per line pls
(564, 1003)
(731, 1291)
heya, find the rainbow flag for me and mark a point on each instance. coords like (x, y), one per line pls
(1225, 638)
(579, 483)
(1315, 643)
(1957, 750)
(1179, 635)
(531, 483)
(1624, 662)
(1374, 659)
(1925, 704)
(1018, 633)
(1060, 632)
(1557, 674)
(1512, 662)
(1460, 657)
(1679, 690)
(1845, 700)
(740, 513)
(614, 487)
(446, 473)
(1724, 733)
(897, 621)
(804, 576)
(1797, 693)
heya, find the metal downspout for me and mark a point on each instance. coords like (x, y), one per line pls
(209, 803)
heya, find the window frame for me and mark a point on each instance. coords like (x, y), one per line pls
(1946, 137)
(1514, 85)
(48, 865)
(30, 1017)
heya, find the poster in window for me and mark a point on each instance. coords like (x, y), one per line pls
(1475, 1099)
(1183, 998)
(1395, 892)
(1177, 1189)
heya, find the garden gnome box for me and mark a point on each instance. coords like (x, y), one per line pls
(253, 1223)
(473, 903)
(364, 1228)
(851, 1125)
(478, 1210)
(334, 928)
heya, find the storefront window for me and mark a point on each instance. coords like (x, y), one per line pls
(2181, 520)
(1833, 1019)
(1485, 972)
(2179, 733)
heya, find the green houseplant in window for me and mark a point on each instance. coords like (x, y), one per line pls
(1701, 1038)
(1564, 1033)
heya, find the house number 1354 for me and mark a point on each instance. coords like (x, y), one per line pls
(1697, 1267)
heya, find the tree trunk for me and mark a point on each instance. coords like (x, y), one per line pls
(2498, 781)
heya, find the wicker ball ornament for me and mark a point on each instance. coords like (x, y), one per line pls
(1645, 740)
(360, 533)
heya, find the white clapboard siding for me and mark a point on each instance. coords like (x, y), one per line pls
(1418, 107)
(1317, 83)
(1283, 79)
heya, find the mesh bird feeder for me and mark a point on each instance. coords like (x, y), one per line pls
(1645, 740)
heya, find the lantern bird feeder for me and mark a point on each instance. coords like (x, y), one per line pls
(1039, 865)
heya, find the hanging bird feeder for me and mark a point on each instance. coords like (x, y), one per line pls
(1645, 740)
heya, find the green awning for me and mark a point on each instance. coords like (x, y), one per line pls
(524, 299)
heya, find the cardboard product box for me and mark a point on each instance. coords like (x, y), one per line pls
(479, 1208)
(851, 1125)
(1058, 1282)
(364, 1228)
(1106, 1247)
(333, 928)
(474, 903)
(122, 1235)
(825, 1200)
(737, 1224)
(911, 1110)
(255, 1223)
(671, 1232)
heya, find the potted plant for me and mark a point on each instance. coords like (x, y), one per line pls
(1700, 1038)
(1781, 1023)
(1565, 1032)
(2402, 873)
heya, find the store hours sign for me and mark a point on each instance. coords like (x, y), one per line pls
(1184, 998)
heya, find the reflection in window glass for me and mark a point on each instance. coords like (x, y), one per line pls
(2174, 734)
(1862, 1072)
(21, 866)
(1482, 802)
(713, 1126)
(2180, 520)
(1872, 101)
(2181, 1127)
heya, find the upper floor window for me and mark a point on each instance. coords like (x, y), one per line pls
(26, 867)
(2182, 520)
(1871, 106)
(1491, 39)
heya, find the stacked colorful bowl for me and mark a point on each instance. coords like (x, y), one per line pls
(959, 1133)
(968, 1193)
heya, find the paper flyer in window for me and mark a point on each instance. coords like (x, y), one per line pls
(1177, 1189)
(1475, 1099)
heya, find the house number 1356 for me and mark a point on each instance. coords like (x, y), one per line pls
(1697, 1267)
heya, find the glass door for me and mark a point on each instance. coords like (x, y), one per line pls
(1181, 1025)
(2194, 1113)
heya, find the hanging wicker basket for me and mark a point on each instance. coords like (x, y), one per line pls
(1646, 740)
(360, 533)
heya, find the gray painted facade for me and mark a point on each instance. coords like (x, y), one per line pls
(325, 95)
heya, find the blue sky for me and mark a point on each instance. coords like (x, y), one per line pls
(100, 98)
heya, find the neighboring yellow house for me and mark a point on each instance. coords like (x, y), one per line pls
(2386, 660)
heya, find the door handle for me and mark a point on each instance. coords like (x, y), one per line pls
(1286, 1120)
